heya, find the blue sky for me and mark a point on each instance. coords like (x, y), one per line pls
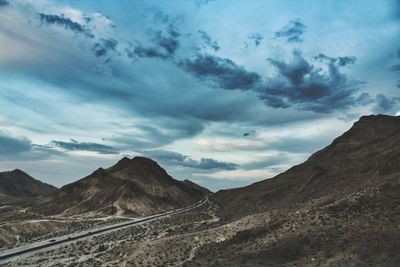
(224, 93)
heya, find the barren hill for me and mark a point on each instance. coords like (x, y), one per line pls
(366, 155)
(17, 184)
(132, 186)
(341, 207)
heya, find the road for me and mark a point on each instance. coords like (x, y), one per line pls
(30, 249)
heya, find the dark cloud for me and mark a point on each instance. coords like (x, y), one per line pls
(13, 145)
(257, 38)
(383, 104)
(341, 61)
(177, 159)
(221, 72)
(298, 83)
(66, 23)
(292, 32)
(208, 42)
(138, 50)
(164, 45)
(168, 42)
(301, 84)
(4, 3)
(93, 147)
(20, 148)
(104, 46)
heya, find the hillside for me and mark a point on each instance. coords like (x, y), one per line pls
(366, 155)
(17, 184)
(137, 186)
(338, 208)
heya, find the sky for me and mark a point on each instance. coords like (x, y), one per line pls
(224, 93)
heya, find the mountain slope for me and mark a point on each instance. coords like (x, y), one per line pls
(341, 207)
(17, 184)
(367, 154)
(136, 186)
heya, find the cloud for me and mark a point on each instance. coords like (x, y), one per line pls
(4, 3)
(220, 72)
(177, 159)
(104, 46)
(208, 42)
(292, 32)
(67, 23)
(93, 147)
(299, 83)
(341, 61)
(21, 148)
(169, 42)
(13, 145)
(386, 105)
(257, 38)
(138, 50)
(163, 45)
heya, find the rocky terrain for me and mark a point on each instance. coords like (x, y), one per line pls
(339, 208)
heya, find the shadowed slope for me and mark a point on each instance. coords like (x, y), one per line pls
(17, 184)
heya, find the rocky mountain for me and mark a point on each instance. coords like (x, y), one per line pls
(341, 207)
(366, 155)
(17, 184)
(132, 186)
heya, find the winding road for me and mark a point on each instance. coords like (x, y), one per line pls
(30, 249)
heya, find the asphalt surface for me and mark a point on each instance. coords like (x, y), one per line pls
(30, 249)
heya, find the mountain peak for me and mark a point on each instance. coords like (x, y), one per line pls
(19, 184)
(137, 185)
(126, 162)
(143, 160)
(368, 128)
(379, 119)
(18, 171)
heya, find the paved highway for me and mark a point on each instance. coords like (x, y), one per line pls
(30, 249)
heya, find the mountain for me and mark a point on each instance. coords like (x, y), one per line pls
(132, 186)
(17, 184)
(366, 155)
(338, 208)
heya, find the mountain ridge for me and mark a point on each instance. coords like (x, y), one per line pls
(131, 186)
(17, 185)
(335, 170)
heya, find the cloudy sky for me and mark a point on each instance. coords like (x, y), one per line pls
(222, 92)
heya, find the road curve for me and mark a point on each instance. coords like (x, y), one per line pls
(6, 255)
